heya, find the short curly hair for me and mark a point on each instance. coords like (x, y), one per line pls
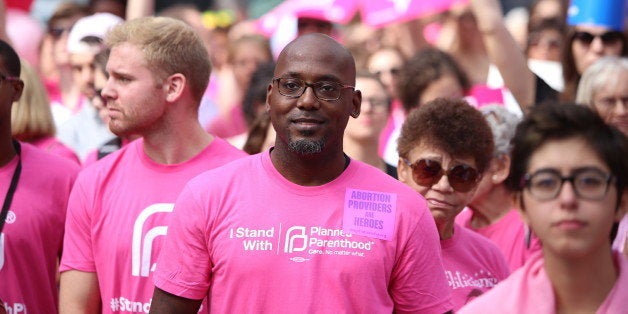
(451, 125)
(422, 69)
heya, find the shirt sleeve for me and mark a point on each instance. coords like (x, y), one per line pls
(77, 242)
(418, 283)
(184, 266)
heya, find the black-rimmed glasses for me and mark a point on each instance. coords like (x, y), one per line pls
(588, 183)
(323, 90)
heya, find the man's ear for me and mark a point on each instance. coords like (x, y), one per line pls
(357, 103)
(174, 86)
(18, 86)
(501, 170)
(404, 172)
(268, 92)
(622, 208)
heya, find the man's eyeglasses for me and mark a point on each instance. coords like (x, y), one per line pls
(607, 38)
(426, 172)
(8, 78)
(323, 90)
(588, 183)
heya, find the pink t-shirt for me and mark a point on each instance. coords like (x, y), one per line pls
(473, 265)
(54, 146)
(32, 238)
(509, 233)
(255, 242)
(529, 290)
(118, 214)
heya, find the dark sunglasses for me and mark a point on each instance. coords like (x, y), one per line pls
(426, 172)
(607, 38)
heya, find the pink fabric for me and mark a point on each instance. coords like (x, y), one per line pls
(529, 290)
(55, 147)
(117, 216)
(228, 126)
(260, 243)
(509, 233)
(32, 239)
(395, 120)
(378, 13)
(473, 265)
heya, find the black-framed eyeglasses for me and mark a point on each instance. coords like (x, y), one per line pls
(323, 90)
(588, 183)
(607, 38)
(426, 172)
(4, 77)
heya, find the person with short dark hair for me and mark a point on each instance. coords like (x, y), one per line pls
(302, 227)
(569, 173)
(34, 189)
(445, 147)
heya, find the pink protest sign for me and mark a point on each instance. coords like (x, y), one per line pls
(379, 13)
(370, 213)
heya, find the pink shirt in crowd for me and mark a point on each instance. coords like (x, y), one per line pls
(254, 242)
(473, 265)
(529, 290)
(118, 214)
(32, 238)
(509, 233)
(55, 147)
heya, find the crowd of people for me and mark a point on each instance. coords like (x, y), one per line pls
(460, 161)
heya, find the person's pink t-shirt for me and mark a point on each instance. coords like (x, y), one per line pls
(54, 146)
(509, 233)
(254, 242)
(32, 238)
(529, 290)
(117, 218)
(473, 265)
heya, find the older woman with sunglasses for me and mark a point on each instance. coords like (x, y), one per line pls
(569, 173)
(444, 148)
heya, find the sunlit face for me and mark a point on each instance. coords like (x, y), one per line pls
(308, 125)
(135, 98)
(585, 54)
(611, 102)
(374, 112)
(446, 86)
(568, 225)
(386, 63)
(444, 202)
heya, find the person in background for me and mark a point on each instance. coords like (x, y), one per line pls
(260, 135)
(34, 188)
(85, 131)
(245, 54)
(321, 232)
(492, 212)
(54, 66)
(119, 207)
(361, 138)
(445, 147)
(596, 30)
(429, 74)
(603, 88)
(31, 117)
(569, 173)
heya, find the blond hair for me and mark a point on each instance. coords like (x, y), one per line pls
(31, 117)
(169, 46)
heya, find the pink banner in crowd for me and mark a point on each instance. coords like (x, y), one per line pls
(378, 13)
